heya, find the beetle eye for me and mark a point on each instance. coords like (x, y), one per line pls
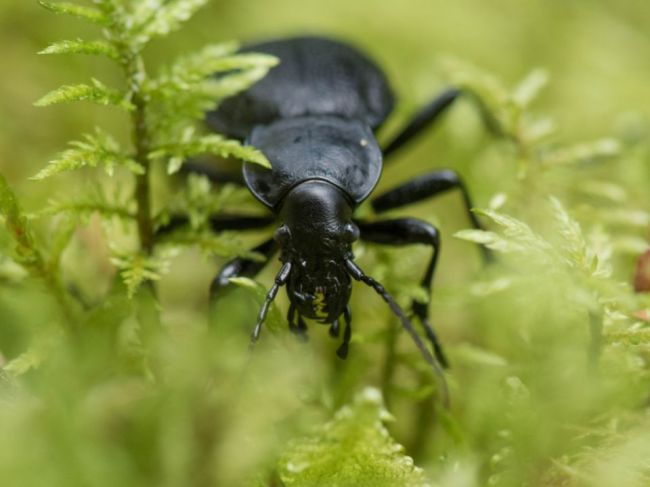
(350, 232)
(282, 235)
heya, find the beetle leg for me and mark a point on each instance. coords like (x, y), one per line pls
(422, 120)
(202, 167)
(291, 316)
(220, 223)
(302, 329)
(297, 325)
(334, 329)
(426, 186)
(408, 231)
(280, 280)
(342, 351)
(241, 267)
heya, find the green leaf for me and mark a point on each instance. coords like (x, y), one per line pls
(626, 217)
(489, 239)
(97, 48)
(583, 153)
(175, 162)
(578, 252)
(198, 200)
(95, 93)
(223, 245)
(235, 62)
(353, 449)
(274, 321)
(208, 144)
(631, 245)
(632, 337)
(82, 208)
(493, 286)
(136, 269)
(93, 201)
(24, 363)
(156, 18)
(519, 234)
(232, 148)
(217, 58)
(530, 87)
(613, 192)
(177, 103)
(489, 93)
(10, 271)
(186, 89)
(195, 65)
(503, 110)
(582, 264)
(537, 129)
(58, 242)
(479, 357)
(86, 13)
(197, 203)
(99, 149)
(24, 251)
(231, 84)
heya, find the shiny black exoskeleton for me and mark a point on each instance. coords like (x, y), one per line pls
(314, 116)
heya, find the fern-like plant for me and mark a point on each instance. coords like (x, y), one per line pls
(162, 109)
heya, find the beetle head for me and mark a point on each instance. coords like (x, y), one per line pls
(317, 224)
(316, 237)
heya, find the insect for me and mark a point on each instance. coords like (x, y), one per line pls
(315, 116)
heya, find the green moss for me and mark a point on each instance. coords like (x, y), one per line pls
(354, 448)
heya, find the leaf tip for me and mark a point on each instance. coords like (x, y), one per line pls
(264, 162)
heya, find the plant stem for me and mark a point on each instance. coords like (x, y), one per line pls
(423, 422)
(389, 361)
(596, 332)
(53, 282)
(136, 75)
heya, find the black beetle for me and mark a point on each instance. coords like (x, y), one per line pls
(314, 117)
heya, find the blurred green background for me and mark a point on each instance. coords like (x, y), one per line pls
(526, 408)
(597, 52)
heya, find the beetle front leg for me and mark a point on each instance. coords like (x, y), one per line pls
(297, 325)
(241, 267)
(342, 351)
(408, 231)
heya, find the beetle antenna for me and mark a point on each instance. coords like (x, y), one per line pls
(356, 272)
(280, 280)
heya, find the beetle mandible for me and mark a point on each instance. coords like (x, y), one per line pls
(315, 116)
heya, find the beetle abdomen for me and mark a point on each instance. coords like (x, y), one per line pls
(315, 76)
